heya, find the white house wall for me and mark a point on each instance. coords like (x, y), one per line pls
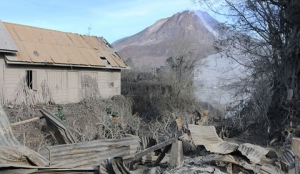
(109, 83)
(65, 84)
(1, 78)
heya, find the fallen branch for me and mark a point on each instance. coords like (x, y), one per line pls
(27, 121)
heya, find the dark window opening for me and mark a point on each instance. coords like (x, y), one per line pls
(105, 60)
(29, 78)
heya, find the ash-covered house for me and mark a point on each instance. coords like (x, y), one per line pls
(47, 60)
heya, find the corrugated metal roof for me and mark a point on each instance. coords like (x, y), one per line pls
(253, 152)
(37, 45)
(207, 136)
(6, 42)
(87, 154)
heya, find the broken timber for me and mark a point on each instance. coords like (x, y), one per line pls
(66, 135)
(11, 150)
(26, 121)
(118, 166)
(176, 158)
(153, 148)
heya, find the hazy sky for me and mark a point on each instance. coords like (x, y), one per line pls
(112, 19)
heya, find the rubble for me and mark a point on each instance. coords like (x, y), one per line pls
(135, 154)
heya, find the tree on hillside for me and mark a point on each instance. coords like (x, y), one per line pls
(179, 73)
(267, 34)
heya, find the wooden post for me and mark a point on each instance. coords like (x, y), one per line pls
(290, 92)
(296, 165)
(296, 149)
(176, 157)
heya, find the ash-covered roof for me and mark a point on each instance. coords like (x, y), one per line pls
(43, 46)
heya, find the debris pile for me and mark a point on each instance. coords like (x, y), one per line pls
(192, 149)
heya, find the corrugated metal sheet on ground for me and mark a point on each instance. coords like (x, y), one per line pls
(207, 136)
(287, 160)
(6, 42)
(87, 154)
(238, 161)
(252, 152)
(268, 169)
(38, 45)
(15, 168)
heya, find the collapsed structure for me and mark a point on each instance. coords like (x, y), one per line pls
(190, 149)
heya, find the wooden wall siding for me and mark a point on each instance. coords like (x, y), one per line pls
(57, 82)
(1, 78)
(109, 83)
(65, 85)
(12, 78)
(73, 86)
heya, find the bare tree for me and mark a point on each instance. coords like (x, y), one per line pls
(181, 73)
(267, 34)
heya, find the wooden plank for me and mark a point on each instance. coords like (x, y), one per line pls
(118, 166)
(153, 148)
(60, 127)
(296, 146)
(150, 159)
(162, 155)
(26, 121)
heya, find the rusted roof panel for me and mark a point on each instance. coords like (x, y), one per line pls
(6, 42)
(46, 56)
(31, 51)
(38, 45)
(91, 42)
(107, 56)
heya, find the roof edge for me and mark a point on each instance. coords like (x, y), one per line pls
(59, 65)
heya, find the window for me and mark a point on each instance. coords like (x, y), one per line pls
(31, 79)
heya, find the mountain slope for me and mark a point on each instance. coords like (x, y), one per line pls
(187, 31)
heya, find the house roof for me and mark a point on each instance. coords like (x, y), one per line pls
(6, 42)
(44, 46)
